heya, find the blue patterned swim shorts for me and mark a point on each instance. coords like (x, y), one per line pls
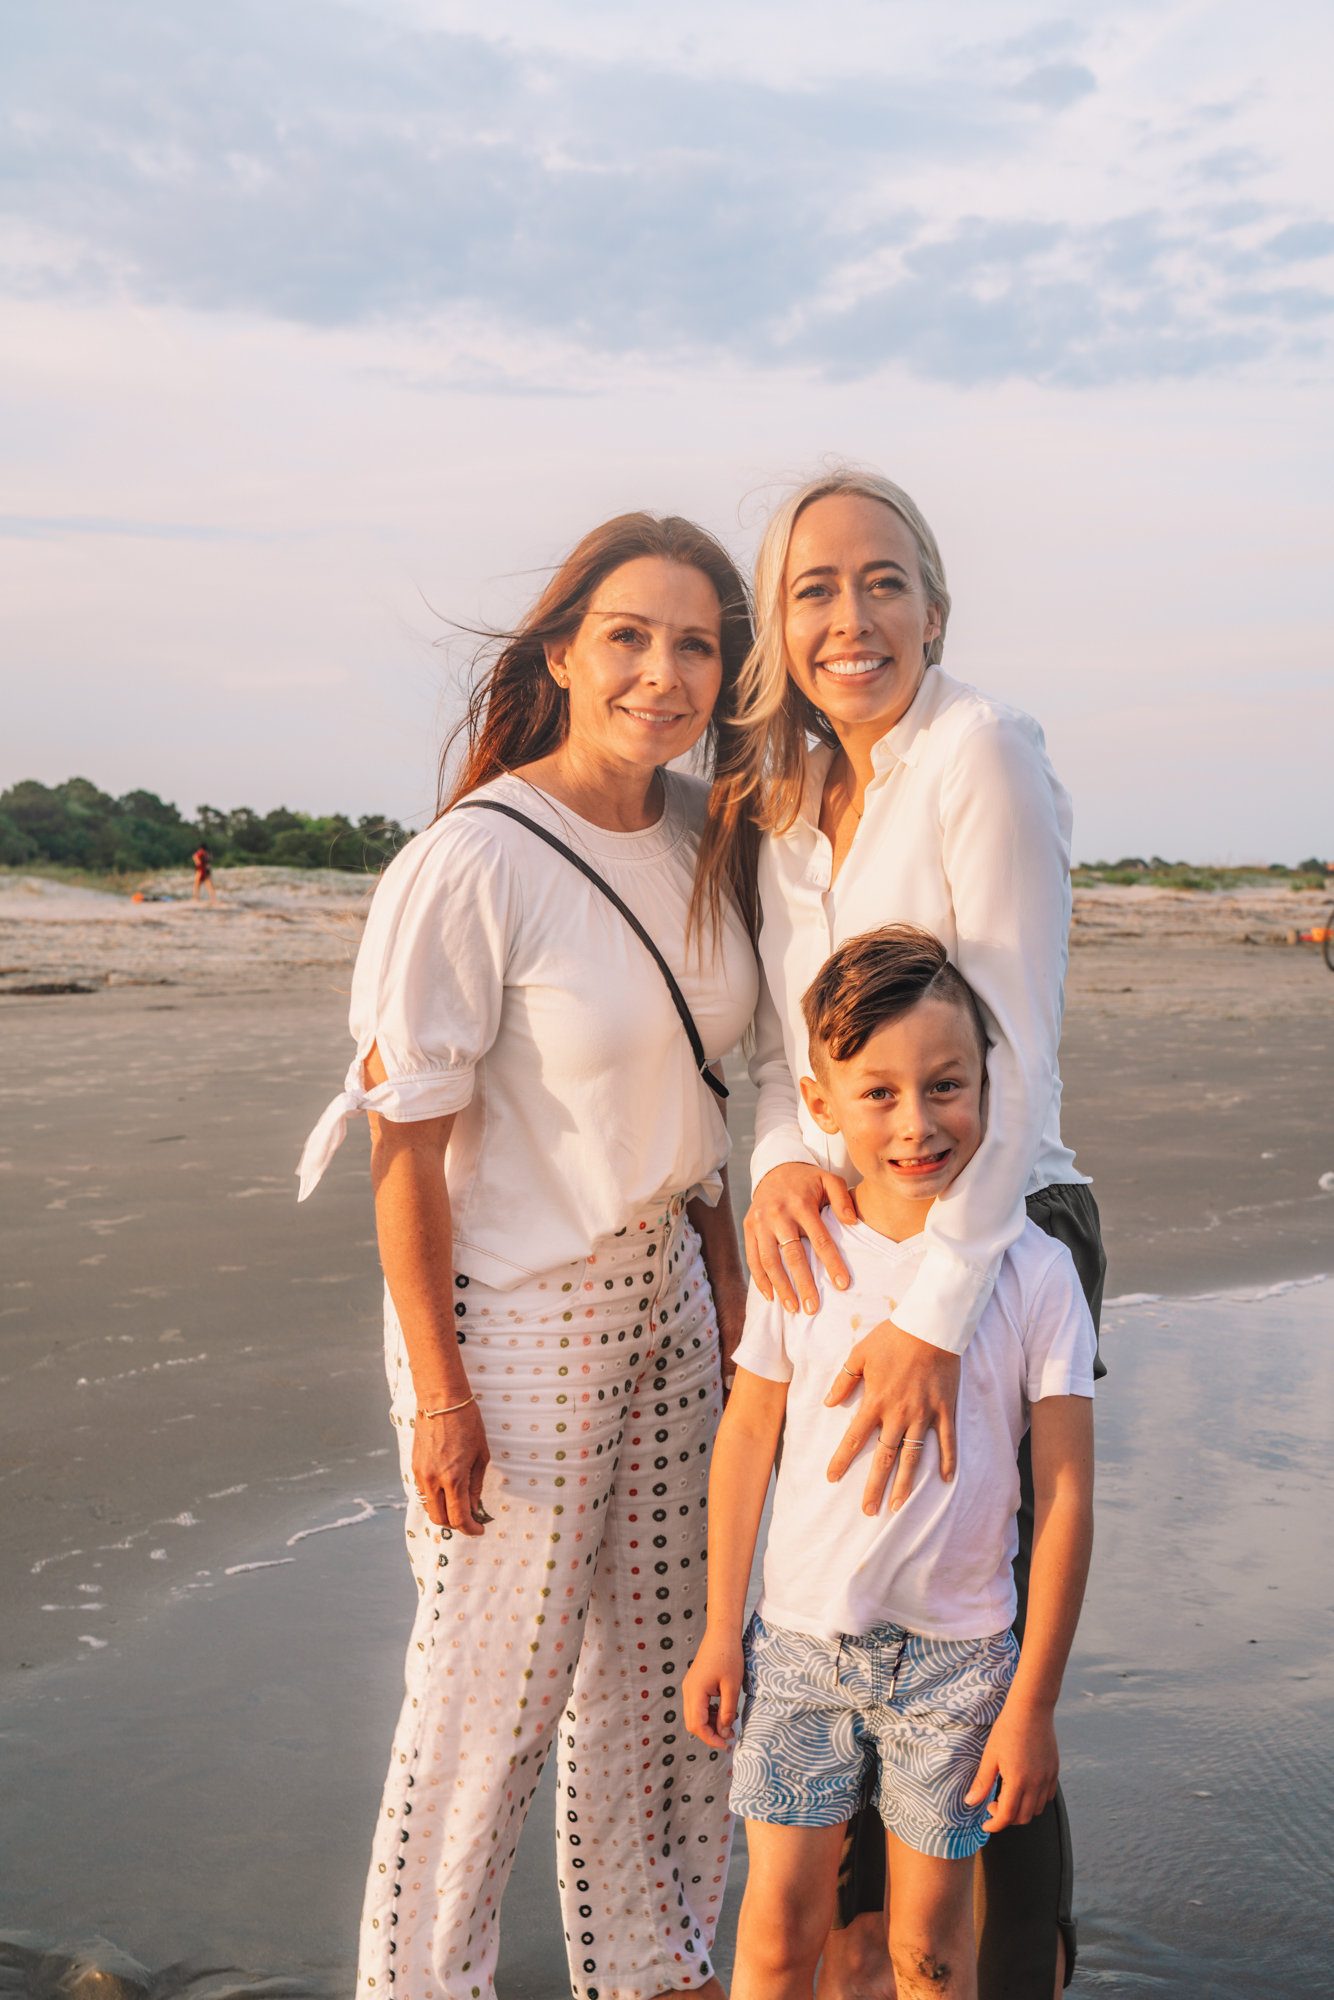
(833, 1724)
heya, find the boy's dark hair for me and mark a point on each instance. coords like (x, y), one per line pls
(875, 978)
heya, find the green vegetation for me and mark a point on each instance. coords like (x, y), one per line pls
(74, 829)
(1133, 870)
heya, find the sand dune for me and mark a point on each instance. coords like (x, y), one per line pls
(271, 922)
(266, 922)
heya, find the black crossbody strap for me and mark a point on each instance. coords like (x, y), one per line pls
(678, 997)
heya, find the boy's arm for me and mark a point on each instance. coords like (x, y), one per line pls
(743, 1458)
(1021, 1749)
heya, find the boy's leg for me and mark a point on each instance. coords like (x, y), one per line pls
(929, 1923)
(1025, 1873)
(855, 1965)
(1025, 1925)
(786, 1910)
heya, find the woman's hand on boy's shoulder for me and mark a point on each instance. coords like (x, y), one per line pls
(711, 1691)
(787, 1206)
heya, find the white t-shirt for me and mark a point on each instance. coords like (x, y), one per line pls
(499, 983)
(941, 1565)
(965, 831)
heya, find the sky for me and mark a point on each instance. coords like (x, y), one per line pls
(326, 329)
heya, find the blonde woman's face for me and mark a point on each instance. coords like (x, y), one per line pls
(645, 667)
(855, 613)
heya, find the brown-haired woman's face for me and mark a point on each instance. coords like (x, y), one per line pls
(855, 613)
(645, 667)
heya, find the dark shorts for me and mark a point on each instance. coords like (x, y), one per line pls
(1028, 1872)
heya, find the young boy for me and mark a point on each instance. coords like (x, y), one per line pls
(880, 1662)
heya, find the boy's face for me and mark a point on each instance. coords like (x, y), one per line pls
(909, 1108)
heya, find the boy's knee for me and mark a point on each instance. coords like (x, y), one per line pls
(784, 1938)
(923, 1967)
(930, 1963)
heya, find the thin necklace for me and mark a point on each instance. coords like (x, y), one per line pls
(849, 788)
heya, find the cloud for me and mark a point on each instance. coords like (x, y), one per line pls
(326, 167)
(1302, 241)
(1055, 85)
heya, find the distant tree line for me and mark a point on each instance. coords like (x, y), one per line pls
(82, 827)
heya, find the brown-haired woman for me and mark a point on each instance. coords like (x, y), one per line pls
(562, 1269)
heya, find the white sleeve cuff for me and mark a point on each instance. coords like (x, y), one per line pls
(406, 1100)
(945, 1301)
(779, 1148)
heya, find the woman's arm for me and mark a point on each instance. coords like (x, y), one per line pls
(1021, 1749)
(412, 1216)
(716, 1228)
(727, 1277)
(789, 1190)
(1006, 852)
(743, 1458)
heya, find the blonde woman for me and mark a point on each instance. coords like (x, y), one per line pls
(890, 793)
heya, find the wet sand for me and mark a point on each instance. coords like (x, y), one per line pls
(192, 1379)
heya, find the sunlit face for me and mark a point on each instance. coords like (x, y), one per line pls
(645, 667)
(908, 1104)
(855, 613)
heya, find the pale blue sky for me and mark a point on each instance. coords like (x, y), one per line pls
(313, 314)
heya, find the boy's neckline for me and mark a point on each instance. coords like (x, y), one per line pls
(900, 1241)
(916, 1240)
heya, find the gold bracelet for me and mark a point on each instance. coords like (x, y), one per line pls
(449, 1410)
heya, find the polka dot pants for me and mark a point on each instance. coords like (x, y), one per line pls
(571, 1620)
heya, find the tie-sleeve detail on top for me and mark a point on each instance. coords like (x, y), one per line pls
(500, 985)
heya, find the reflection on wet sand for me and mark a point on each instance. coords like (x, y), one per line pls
(1198, 1716)
(95, 1969)
(204, 1792)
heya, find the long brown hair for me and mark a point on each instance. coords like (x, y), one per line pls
(517, 713)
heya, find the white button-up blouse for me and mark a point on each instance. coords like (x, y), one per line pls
(966, 832)
(500, 984)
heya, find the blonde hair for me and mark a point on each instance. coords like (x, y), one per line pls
(760, 775)
(772, 707)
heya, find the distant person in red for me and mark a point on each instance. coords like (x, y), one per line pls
(203, 872)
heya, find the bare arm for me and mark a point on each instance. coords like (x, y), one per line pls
(727, 1277)
(743, 1458)
(790, 1192)
(415, 1228)
(1021, 1749)
(722, 1260)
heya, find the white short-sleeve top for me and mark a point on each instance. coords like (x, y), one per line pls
(943, 1565)
(500, 984)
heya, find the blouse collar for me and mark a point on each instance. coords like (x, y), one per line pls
(899, 745)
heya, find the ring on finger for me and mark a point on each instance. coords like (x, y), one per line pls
(786, 1242)
(913, 1444)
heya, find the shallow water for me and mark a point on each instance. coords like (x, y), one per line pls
(1197, 1725)
(202, 1790)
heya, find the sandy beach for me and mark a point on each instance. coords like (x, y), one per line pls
(197, 1690)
